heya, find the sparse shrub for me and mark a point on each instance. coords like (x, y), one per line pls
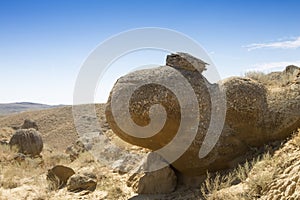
(274, 78)
(259, 183)
(214, 183)
(53, 159)
(242, 171)
(296, 138)
(261, 175)
(256, 75)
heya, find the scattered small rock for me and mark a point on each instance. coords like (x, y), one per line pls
(82, 182)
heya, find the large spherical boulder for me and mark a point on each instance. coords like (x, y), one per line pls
(256, 113)
(27, 141)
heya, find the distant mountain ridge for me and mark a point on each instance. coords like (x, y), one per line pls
(10, 108)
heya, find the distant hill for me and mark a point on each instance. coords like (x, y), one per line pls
(10, 108)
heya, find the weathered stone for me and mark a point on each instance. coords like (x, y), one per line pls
(81, 182)
(186, 61)
(27, 141)
(28, 123)
(148, 180)
(256, 114)
(58, 176)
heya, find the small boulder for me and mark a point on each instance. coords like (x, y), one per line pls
(58, 176)
(82, 182)
(148, 180)
(28, 123)
(27, 141)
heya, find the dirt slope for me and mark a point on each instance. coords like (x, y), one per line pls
(56, 125)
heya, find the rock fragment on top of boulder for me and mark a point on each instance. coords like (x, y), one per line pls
(155, 176)
(27, 141)
(58, 176)
(28, 123)
(186, 61)
(82, 182)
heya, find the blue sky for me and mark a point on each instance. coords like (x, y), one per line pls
(43, 43)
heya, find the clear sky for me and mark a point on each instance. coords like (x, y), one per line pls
(44, 42)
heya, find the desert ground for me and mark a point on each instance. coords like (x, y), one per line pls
(43, 156)
(272, 173)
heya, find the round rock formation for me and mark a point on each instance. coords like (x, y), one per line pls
(256, 113)
(27, 141)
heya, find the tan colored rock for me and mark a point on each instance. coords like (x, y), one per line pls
(58, 176)
(146, 181)
(82, 182)
(28, 123)
(256, 114)
(186, 61)
(27, 141)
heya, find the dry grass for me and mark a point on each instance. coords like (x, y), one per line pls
(257, 75)
(215, 182)
(261, 175)
(255, 177)
(265, 171)
(296, 138)
(242, 171)
(6, 133)
(27, 179)
(13, 171)
(276, 79)
(212, 187)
